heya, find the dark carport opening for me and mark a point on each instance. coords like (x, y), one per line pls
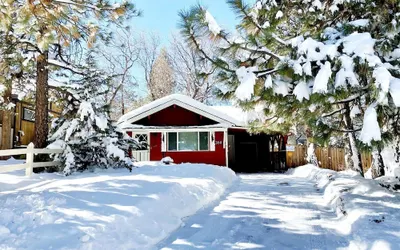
(256, 153)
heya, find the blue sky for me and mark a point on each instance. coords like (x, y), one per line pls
(161, 16)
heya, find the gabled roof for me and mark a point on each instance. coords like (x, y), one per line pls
(184, 102)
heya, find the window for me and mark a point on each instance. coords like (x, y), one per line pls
(172, 142)
(203, 140)
(28, 115)
(143, 141)
(188, 141)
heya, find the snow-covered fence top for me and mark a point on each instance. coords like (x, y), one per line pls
(29, 165)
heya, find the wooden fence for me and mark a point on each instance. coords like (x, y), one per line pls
(29, 164)
(329, 158)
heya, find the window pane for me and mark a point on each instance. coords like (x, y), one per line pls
(203, 140)
(28, 115)
(172, 141)
(188, 141)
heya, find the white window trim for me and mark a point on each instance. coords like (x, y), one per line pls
(198, 142)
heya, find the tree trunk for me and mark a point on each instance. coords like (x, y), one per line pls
(311, 156)
(42, 103)
(7, 119)
(348, 161)
(377, 167)
(397, 149)
(354, 157)
(123, 101)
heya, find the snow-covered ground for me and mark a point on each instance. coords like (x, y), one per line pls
(197, 206)
(111, 209)
(308, 208)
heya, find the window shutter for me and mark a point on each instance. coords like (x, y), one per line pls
(212, 141)
(163, 142)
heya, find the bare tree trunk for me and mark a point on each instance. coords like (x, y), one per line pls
(7, 119)
(42, 102)
(377, 166)
(311, 156)
(397, 149)
(354, 158)
(123, 101)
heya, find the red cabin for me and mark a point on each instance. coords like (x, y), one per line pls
(189, 131)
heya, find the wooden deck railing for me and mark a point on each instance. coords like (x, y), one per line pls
(141, 155)
(29, 164)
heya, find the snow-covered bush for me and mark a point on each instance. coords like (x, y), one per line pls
(85, 132)
(167, 160)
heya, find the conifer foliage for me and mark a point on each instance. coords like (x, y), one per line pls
(84, 131)
(332, 66)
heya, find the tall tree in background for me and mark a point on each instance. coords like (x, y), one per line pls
(120, 56)
(162, 81)
(14, 68)
(149, 49)
(193, 74)
(9, 70)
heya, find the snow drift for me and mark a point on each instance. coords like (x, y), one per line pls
(367, 214)
(108, 209)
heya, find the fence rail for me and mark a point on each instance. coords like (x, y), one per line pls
(328, 157)
(29, 164)
(141, 155)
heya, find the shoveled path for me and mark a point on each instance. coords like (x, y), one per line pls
(263, 211)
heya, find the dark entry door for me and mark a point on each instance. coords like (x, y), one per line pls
(231, 151)
(247, 159)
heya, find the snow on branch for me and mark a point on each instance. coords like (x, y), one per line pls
(370, 130)
(64, 66)
(212, 24)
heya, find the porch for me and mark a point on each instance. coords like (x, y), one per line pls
(254, 153)
(231, 147)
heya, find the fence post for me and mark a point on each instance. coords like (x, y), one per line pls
(29, 159)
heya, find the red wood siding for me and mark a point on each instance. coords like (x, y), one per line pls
(175, 116)
(216, 157)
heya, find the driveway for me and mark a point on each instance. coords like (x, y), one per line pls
(263, 211)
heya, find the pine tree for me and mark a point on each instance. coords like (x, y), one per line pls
(162, 81)
(84, 131)
(305, 61)
(15, 71)
(50, 26)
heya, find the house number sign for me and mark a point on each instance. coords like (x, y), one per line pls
(218, 142)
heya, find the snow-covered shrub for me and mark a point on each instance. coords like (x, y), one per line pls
(167, 160)
(85, 132)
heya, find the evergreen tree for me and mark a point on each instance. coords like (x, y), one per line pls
(50, 26)
(14, 70)
(162, 81)
(331, 65)
(84, 131)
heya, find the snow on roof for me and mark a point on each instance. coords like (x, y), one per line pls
(224, 117)
(245, 117)
(129, 126)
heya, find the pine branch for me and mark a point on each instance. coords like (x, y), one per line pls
(332, 113)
